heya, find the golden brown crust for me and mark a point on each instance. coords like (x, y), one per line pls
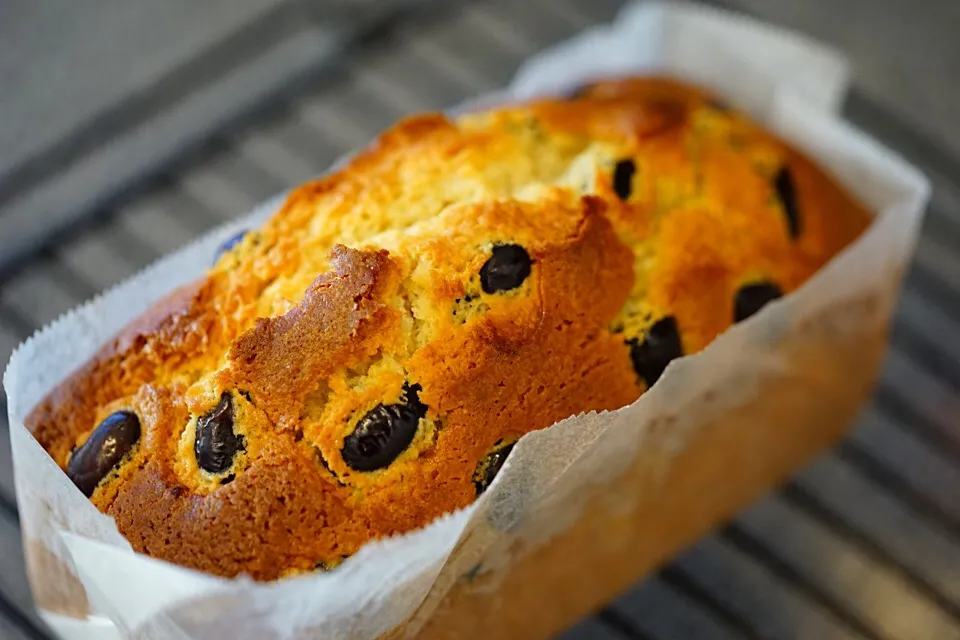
(640, 200)
(316, 335)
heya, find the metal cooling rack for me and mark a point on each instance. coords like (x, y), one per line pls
(864, 543)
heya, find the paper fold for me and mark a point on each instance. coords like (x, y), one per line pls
(80, 566)
(699, 44)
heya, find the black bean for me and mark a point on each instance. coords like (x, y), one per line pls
(384, 432)
(490, 466)
(507, 268)
(216, 444)
(660, 346)
(103, 451)
(753, 297)
(229, 243)
(787, 193)
(623, 178)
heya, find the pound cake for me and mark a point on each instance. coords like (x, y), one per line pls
(365, 361)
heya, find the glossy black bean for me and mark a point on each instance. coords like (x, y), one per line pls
(508, 266)
(103, 451)
(623, 178)
(753, 297)
(659, 347)
(787, 193)
(490, 466)
(384, 432)
(216, 443)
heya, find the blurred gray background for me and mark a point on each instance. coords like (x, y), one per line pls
(127, 128)
(95, 93)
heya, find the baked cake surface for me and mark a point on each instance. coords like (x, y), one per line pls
(364, 362)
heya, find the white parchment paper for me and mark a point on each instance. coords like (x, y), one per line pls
(88, 582)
